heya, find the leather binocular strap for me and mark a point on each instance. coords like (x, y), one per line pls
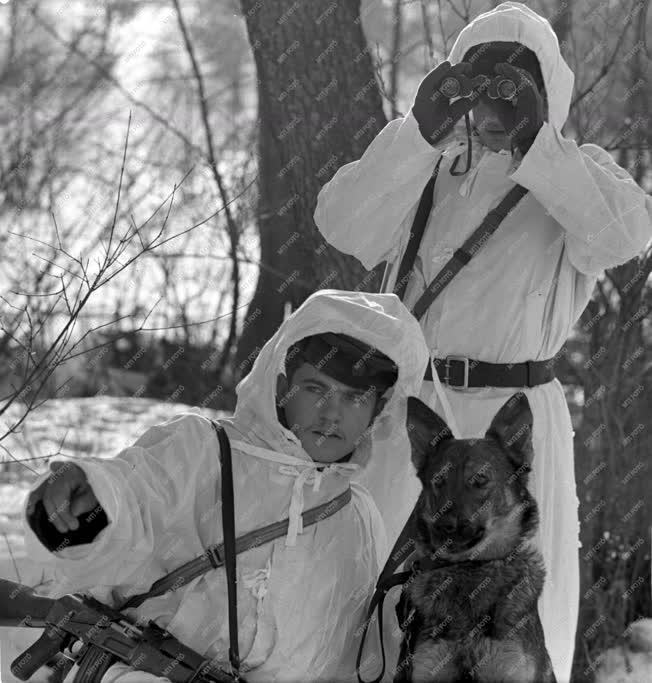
(468, 250)
(416, 234)
(461, 256)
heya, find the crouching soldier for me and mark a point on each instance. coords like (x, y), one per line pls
(316, 399)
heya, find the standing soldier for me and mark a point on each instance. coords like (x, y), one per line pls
(497, 325)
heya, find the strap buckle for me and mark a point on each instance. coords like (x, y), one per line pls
(215, 555)
(457, 359)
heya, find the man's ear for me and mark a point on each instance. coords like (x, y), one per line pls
(282, 387)
(426, 431)
(512, 428)
(381, 402)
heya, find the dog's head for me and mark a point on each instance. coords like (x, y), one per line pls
(475, 503)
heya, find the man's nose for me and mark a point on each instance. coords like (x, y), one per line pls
(331, 407)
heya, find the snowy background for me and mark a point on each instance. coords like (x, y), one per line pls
(98, 427)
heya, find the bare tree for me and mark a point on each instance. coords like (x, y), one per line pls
(190, 87)
(397, 24)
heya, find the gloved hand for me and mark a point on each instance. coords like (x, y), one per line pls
(433, 111)
(66, 494)
(523, 120)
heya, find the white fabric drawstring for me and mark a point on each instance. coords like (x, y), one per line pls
(443, 399)
(308, 475)
(306, 472)
(296, 502)
(256, 582)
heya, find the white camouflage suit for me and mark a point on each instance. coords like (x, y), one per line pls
(301, 598)
(519, 297)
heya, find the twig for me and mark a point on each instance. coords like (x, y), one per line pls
(13, 559)
(231, 226)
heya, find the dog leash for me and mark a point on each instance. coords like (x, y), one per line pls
(388, 579)
(403, 548)
(377, 601)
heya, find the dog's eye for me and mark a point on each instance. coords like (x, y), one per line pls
(479, 479)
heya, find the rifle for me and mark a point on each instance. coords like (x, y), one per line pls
(76, 617)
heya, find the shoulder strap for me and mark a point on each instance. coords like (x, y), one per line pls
(416, 234)
(214, 556)
(461, 256)
(228, 535)
(468, 250)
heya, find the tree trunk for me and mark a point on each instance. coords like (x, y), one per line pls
(397, 37)
(319, 108)
(563, 21)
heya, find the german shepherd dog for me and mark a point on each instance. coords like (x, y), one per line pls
(469, 610)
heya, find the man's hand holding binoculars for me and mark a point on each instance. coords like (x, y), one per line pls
(432, 108)
(449, 92)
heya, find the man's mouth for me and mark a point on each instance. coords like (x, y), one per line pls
(326, 434)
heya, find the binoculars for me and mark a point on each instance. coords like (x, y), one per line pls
(497, 88)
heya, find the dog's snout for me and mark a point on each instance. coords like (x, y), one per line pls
(449, 525)
(466, 529)
(462, 528)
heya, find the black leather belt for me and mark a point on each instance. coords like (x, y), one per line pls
(457, 371)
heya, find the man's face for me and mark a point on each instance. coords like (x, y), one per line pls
(491, 131)
(327, 416)
(488, 115)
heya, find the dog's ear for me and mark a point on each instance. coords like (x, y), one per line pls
(425, 429)
(512, 428)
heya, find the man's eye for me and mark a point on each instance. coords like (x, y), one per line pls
(480, 480)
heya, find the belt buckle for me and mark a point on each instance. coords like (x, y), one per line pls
(460, 359)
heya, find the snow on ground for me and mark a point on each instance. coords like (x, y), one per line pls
(77, 427)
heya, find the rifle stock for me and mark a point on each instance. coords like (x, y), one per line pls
(19, 603)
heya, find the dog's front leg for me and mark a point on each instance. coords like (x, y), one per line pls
(503, 661)
(435, 661)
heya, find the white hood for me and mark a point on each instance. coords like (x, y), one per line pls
(514, 22)
(380, 320)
